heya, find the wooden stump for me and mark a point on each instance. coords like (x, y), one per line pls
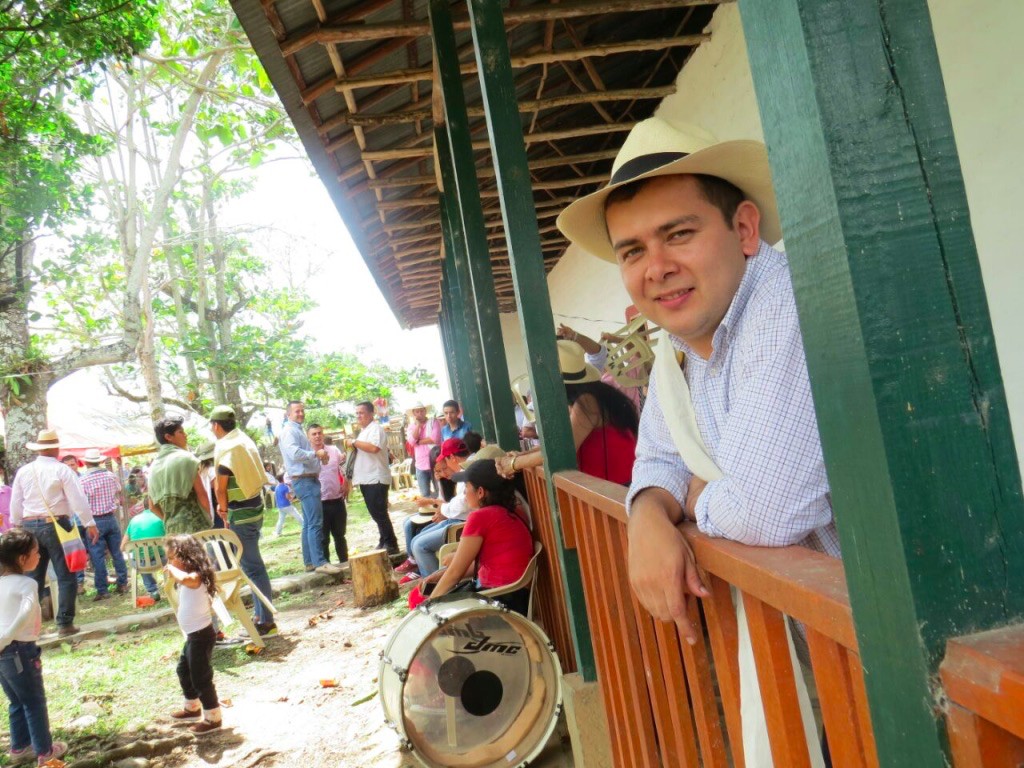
(371, 578)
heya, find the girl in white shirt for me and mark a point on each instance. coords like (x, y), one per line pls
(189, 566)
(21, 668)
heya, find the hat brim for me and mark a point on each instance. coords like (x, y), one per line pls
(743, 163)
(421, 519)
(590, 373)
(94, 461)
(41, 446)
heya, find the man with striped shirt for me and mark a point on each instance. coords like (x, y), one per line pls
(239, 492)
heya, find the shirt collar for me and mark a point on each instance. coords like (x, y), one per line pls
(755, 267)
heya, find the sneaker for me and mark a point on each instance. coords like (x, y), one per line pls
(56, 753)
(121, 589)
(101, 596)
(310, 568)
(70, 629)
(409, 577)
(19, 756)
(394, 550)
(186, 714)
(409, 566)
(329, 569)
(267, 630)
(205, 727)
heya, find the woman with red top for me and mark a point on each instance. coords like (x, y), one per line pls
(604, 422)
(496, 539)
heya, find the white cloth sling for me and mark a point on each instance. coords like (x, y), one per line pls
(677, 406)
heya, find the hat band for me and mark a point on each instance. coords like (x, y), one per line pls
(638, 166)
(48, 442)
(575, 376)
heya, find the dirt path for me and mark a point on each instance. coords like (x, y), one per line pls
(281, 716)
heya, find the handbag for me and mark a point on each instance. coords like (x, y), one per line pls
(75, 554)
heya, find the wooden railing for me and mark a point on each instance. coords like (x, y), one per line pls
(983, 677)
(672, 704)
(549, 602)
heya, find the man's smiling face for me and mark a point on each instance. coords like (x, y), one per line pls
(680, 261)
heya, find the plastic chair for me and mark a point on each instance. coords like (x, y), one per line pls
(630, 357)
(225, 551)
(526, 580)
(145, 556)
(453, 533)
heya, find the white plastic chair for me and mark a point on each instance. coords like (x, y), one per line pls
(528, 579)
(145, 556)
(225, 551)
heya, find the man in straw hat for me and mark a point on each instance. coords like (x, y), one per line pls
(42, 492)
(423, 434)
(728, 437)
(103, 491)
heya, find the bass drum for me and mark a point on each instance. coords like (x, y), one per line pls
(469, 684)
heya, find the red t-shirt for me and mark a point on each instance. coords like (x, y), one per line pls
(506, 549)
(608, 452)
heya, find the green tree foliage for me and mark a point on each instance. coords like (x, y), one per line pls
(48, 49)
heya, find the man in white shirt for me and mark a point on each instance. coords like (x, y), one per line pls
(42, 492)
(372, 473)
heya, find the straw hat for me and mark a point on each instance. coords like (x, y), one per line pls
(573, 364)
(657, 148)
(47, 439)
(93, 456)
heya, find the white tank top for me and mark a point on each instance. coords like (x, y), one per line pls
(194, 606)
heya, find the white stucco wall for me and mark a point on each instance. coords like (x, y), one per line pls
(977, 49)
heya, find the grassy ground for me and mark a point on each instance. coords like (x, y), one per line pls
(283, 556)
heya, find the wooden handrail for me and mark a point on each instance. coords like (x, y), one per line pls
(669, 703)
(800, 582)
(983, 677)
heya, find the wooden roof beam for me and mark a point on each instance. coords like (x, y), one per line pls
(359, 32)
(525, 106)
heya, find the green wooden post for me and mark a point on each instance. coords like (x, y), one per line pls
(445, 330)
(471, 210)
(465, 329)
(902, 359)
(531, 288)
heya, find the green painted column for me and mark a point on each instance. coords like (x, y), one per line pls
(465, 329)
(900, 350)
(470, 209)
(444, 329)
(531, 287)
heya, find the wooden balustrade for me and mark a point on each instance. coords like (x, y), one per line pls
(550, 606)
(672, 704)
(983, 678)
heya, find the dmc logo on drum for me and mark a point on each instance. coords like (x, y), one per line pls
(483, 645)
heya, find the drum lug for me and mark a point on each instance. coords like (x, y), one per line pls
(402, 674)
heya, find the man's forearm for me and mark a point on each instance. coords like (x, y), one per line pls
(367, 447)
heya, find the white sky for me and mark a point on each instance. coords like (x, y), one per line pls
(350, 315)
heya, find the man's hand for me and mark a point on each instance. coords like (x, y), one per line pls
(93, 533)
(503, 466)
(423, 501)
(438, 517)
(222, 512)
(322, 455)
(662, 569)
(692, 494)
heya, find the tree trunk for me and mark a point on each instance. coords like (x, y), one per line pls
(23, 388)
(147, 357)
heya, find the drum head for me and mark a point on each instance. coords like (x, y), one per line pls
(483, 689)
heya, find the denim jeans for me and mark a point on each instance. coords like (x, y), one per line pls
(67, 586)
(253, 567)
(151, 586)
(308, 491)
(110, 539)
(426, 543)
(282, 514)
(21, 674)
(427, 483)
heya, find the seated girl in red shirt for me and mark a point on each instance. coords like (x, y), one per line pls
(496, 539)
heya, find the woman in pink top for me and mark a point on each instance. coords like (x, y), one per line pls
(496, 537)
(423, 434)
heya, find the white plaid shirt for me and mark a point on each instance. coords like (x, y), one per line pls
(752, 400)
